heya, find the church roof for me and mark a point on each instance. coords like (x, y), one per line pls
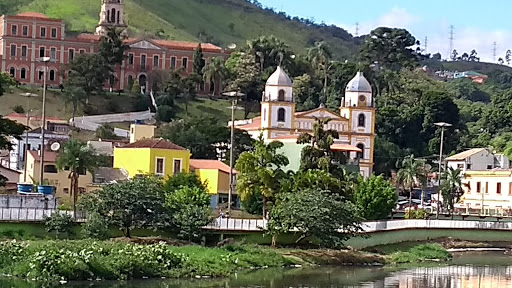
(359, 84)
(279, 78)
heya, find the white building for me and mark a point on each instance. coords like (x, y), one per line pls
(478, 159)
(355, 122)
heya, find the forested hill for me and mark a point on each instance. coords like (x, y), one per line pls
(221, 22)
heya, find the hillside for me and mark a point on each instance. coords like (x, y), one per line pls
(218, 21)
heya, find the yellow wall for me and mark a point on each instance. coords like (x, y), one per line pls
(133, 160)
(218, 181)
(170, 156)
(138, 132)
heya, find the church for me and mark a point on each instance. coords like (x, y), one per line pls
(27, 37)
(355, 122)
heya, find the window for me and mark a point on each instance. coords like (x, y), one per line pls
(489, 167)
(50, 169)
(486, 187)
(81, 171)
(281, 115)
(159, 168)
(12, 71)
(66, 190)
(24, 31)
(43, 32)
(143, 61)
(52, 75)
(130, 59)
(54, 33)
(14, 29)
(460, 166)
(498, 188)
(280, 96)
(510, 188)
(177, 166)
(173, 62)
(184, 62)
(113, 16)
(13, 50)
(53, 53)
(468, 166)
(265, 114)
(81, 190)
(23, 74)
(361, 120)
(81, 51)
(71, 54)
(24, 51)
(478, 187)
(360, 155)
(42, 52)
(156, 60)
(41, 73)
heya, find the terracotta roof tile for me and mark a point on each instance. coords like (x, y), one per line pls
(254, 125)
(34, 15)
(210, 164)
(154, 143)
(465, 154)
(49, 156)
(180, 45)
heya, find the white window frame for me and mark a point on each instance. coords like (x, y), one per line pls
(23, 29)
(41, 31)
(181, 165)
(184, 62)
(15, 50)
(156, 166)
(56, 32)
(26, 51)
(14, 29)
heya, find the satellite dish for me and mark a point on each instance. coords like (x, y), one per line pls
(232, 46)
(55, 146)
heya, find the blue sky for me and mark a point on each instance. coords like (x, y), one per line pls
(477, 25)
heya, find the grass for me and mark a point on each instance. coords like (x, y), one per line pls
(219, 21)
(420, 253)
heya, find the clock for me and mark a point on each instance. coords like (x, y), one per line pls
(362, 98)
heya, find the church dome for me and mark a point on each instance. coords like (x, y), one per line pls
(279, 78)
(359, 84)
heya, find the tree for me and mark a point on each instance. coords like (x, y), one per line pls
(408, 175)
(464, 57)
(165, 113)
(247, 78)
(215, 73)
(508, 56)
(451, 187)
(320, 57)
(390, 48)
(454, 55)
(318, 154)
(77, 158)
(190, 208)
(260, 171)
(375, 197)
(500, 61)
(76, 97)
(89, 72)
(106, 131)
(137, 203)
(437, 56)
(199, 62)
(60, 223)
(315, 213)
(182, 86)
(473, 57)
(112, 47)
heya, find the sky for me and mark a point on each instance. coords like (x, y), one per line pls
(477, 24)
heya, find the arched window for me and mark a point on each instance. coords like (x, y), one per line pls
(361, 120)
(360, 155)
(108, 16)
(52, 75)
(118, 16)
(23, 73)
(113, 15)
(12, 71)
(281, 115)
(280, 96)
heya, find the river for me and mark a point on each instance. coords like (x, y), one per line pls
(468, 270)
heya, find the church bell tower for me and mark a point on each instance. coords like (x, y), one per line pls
(111, 16)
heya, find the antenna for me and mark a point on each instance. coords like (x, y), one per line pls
(55, 146)
(494, 49)
(425, 45)
(357, 29)
(452, 38)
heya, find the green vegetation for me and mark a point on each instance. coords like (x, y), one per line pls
(419, 253)
(84, 259)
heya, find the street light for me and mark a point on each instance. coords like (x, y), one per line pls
(234, 95)
(442, 125)
(44, 60)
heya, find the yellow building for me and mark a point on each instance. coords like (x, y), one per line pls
(487, 191)
(152, 156)
(56, 178)
(216, 174)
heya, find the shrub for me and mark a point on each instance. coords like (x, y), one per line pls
(112, 106)
(60, 223)
(18, 109)
(96, 227)
(165, 113)
(421, 253)
(416, 214)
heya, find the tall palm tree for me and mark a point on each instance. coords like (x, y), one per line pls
(215, 72)
(76, 97)
(408, 174)
(320, 57)
(452, 187)
(77, 158)
(423, 171)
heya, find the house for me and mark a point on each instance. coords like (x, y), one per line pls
(216, 174)
(487, 190)
(477, 159)
(355, 122)
(12, 178)
(29, 36)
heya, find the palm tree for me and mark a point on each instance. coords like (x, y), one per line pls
(452, 187)
(113, 47)
(320, 57)
(215, 72)
(408, 174)
(76, 97)
(78, 158)
(423, 171)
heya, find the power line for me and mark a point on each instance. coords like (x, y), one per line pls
(452, 38)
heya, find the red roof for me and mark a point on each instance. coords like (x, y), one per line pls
(88, 36)
(34, 15)
(254, 125)
(191, 46)
(154, 144)
(49, 156)
(210, 164)
(34, 117)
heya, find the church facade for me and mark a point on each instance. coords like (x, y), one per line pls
(355, 122)
(27, 37)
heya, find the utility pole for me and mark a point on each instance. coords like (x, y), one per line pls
(494, 49)
(44, 60)
(357, 29)
(452, 38)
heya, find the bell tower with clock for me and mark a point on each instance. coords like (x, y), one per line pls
(357, 106)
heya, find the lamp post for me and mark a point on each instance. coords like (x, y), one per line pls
(44, 60)
(234, 99)
(442, 125)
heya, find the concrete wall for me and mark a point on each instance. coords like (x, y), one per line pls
(18, 201)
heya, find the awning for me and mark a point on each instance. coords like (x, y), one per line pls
(345, 147)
